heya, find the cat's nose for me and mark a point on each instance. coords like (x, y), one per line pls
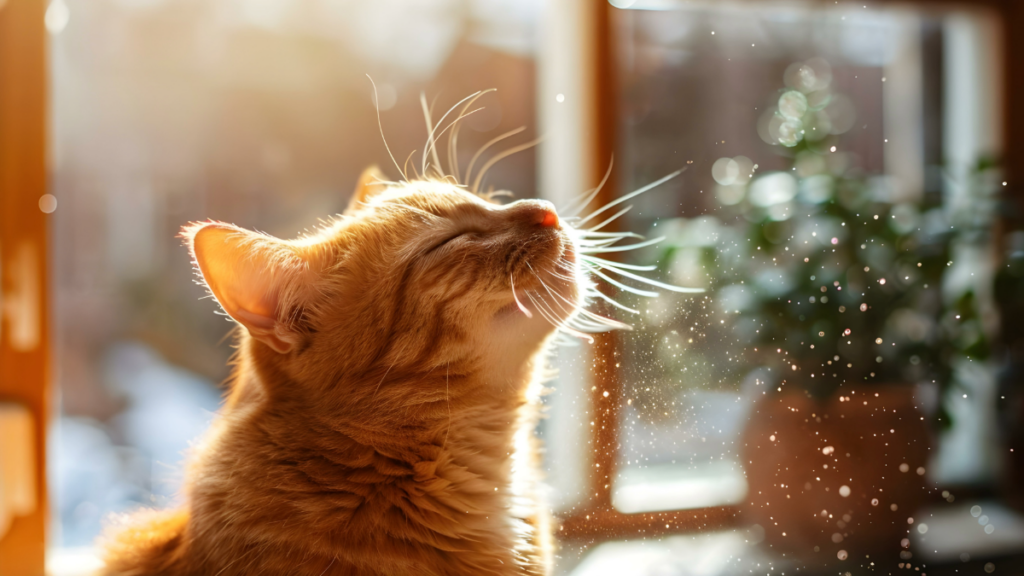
(536, 213)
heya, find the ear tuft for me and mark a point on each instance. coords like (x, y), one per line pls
(253, 277)
(371, 182)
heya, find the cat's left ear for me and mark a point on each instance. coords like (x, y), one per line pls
(371, 182)
(257, 279)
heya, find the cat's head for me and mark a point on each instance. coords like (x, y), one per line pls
(414, 275)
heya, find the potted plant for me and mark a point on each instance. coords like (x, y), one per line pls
(844, 296)
(833, 291)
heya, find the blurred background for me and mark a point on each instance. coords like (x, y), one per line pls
(844, 398)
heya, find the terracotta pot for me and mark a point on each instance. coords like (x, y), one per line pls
(838, 477)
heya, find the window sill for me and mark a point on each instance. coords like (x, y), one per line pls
(72, 562)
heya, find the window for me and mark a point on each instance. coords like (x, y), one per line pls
(832, 395)
(844, 395)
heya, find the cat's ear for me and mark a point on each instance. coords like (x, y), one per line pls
(371, 182)
(256, 279)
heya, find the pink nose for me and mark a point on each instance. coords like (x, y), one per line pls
(534, 213)
(548, 218)
(543, 213)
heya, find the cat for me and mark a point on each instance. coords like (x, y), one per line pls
(380, 415)
(386, 385)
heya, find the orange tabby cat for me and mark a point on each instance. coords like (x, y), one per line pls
(381, 413)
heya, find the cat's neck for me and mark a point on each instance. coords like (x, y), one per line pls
(470, 412)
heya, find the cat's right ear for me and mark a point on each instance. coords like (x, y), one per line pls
(257, 279)
(371, 182)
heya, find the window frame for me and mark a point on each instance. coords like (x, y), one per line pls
(596, 518)
(25, 376)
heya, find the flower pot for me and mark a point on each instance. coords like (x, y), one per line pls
(834, 480)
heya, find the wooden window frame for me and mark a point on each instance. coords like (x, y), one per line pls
(597, 518)
(24, 361)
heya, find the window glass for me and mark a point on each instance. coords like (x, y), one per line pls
(838, 375)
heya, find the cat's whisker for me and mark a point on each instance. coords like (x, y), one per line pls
(574, 211)
(406, 163)
(559, 325)
(376, 105)
(430, 146)
(550, 315)
(453, 137)
(611, 219)
(587, 245)
(602, 250)
(499, 157)
(562, 277)
(609, 264)
(597, 320)
(433, 138)
(544, 312)
(594, 323)
(563, 265)
(633, 194)
(583, 327)
(622, 286)
(430, 131)
(491, 142)
(612, 301)
(511, 279)
(569, 313)
(577, 314)
(617, 268)
(619, 235)
(441, 133)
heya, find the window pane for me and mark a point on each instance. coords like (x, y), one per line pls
(837, 376)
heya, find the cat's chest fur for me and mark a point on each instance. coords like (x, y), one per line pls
(300, 491)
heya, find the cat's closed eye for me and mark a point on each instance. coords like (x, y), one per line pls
(461, 234)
